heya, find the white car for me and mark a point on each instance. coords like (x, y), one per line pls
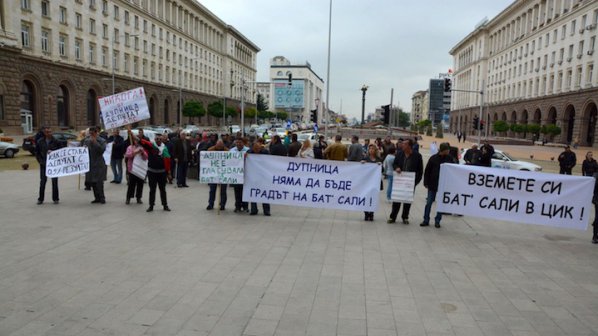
(234, 129)
(503, 160)
(312, 137)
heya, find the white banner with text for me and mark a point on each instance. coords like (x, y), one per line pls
(518, 196)
(124, 108)
(312, 183)
(221, 167)
(403, 187)
(67, 161)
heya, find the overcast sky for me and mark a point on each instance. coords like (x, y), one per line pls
(384, 44)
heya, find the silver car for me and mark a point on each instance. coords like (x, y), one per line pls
(8, 149)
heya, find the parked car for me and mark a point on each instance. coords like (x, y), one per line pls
(312, 137)
(234, 129)
(62, 138)
(8, 149)
(503, 160)
(280, 131)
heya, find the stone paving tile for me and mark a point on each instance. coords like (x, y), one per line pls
(78, 269)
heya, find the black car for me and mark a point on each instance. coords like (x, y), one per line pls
(61, 137)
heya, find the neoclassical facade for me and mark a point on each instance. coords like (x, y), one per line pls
(534, 63)
(58, 56)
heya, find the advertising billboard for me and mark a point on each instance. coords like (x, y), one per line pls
(286, 96)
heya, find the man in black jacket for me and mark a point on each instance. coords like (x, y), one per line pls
(276, 147)
(406, 161)
(117, 155)
(294, 146)
(45, 145)
(431, 177)
(182, 157)
(567, 160)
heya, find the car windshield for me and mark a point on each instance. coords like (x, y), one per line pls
(281, 130)
(508, 156)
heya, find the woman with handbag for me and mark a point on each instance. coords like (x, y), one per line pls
(136, 156)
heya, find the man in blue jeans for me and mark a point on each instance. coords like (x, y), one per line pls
(431, 177)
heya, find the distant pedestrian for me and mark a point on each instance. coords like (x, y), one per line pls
(567, 160)
(45, 144)
(431, 179)
(459, 136)
(433, 148)
(589, 166)
(97, 166)
(464, 136)
(388, 171)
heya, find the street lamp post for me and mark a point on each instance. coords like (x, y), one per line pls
(243, 90)
(232, 83)
(364, 88)
(317, 110)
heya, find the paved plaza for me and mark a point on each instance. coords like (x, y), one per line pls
(83, 269)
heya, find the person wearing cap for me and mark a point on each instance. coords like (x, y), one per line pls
(431, 177)
(567, 160)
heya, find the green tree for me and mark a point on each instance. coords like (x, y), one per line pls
(550, 130)
(261, 103)
(500, 126)
(404, 120)
(250, 112)
(193, 109)
(283, 115)
(534, 129)
(215, 109)
(439, 132)
(429, 130)
(518, 128)
(423, 125)
(231, 111)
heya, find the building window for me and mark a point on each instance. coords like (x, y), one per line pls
(105, 7)
(127, 19)
(573, 23)
(145, 26)
(45, 8)
(78, 21)
(62, 45)
(25, 36)
(116, 35)
(92, 26)
(136, 43)
(127, 63)
(92, 51)
(92, 4)
(104, 57)
(116, 13)
(135, 66)
(62, 106)
(77, 49)
(127, 40)
(136, 22)
(26, 4)
(62, 15)
(115, 60)
(563, 32)
(590, 73)
(578, 77)
(591, 45)
(144, 46)
(105, 31)
(45, 37)
(153, 30)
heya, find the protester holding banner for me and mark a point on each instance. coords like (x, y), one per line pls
(44, 145)
(372, 157)
(219, 146)
(240, 206)
(158, 168)
(116, 156)
(406, 161)
(97, 167)
(259, 149)
(182, 157)
(431, 177)
(135, 152)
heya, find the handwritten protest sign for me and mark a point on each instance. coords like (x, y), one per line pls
(403, 187)
(312, 183)
(519, 196)
(221, 167)
(124, 108)
(67, 161)
(108, 153)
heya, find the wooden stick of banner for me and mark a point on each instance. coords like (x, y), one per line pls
(218, 196)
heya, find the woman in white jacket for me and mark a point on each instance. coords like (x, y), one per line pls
(306, 150)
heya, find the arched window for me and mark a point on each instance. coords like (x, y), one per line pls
(279, 74)
(62, 106)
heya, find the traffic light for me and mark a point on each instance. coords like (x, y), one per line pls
(447, 85)
(386, 114)
(476, 122)
(290, 79)
(314, 116)
(482, 125)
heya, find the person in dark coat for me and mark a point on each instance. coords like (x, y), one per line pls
(182, 157)
(277, 148)
(257, 148)
(97, 167)
(294, 146)
(117, 155)
(158, 169)
(320, 147)
(567, 160)
(45, 145)
(487, 152)
(431, 179)
(472, 156)
(406, 160)
(589, 166)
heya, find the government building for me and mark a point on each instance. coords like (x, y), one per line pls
(534, 63)
(58, 56)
